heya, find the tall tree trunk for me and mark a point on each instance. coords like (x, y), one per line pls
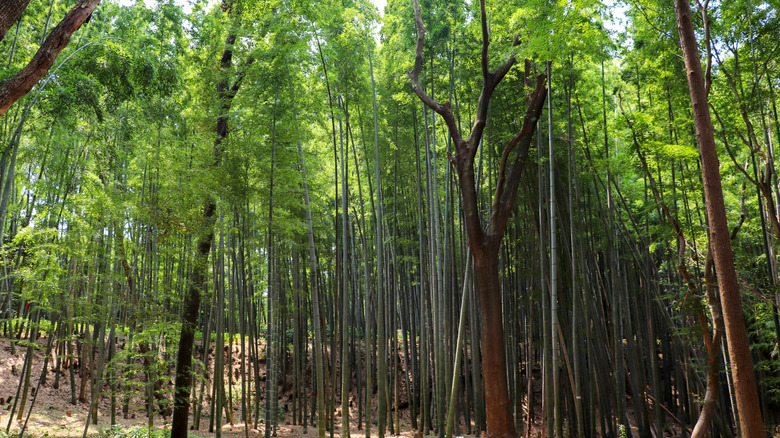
(199, 276)
(346, 374)
(556, 396)
(317, 320)
(271, 372)
(183, 383)
(381, 365)
(459, 346)
(499, 414)
(751, 423)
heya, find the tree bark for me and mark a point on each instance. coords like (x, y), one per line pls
(26, 78)
(499, 414)
(751, 423)
(10, 12)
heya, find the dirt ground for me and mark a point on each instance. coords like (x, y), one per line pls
(53, 414)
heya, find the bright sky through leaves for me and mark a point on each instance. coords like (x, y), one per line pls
(380, 5)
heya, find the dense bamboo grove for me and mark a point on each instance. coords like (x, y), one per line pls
(448, 217)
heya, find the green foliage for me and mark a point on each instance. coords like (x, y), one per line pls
(131, 432)
(39, 275)
(118, 154)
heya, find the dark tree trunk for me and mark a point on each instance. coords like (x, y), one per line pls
(26, 78)
(181, 395)
(183, 383)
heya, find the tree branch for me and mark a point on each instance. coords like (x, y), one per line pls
(59, 37)
(485, 42)
(525, 133)
(443, 109)
(753, 143)
(707, 44)
(650, 22)
(681, 240)
(489, 83)
(226, 96)
(742, 212)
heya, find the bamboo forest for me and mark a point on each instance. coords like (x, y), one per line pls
(418, 218)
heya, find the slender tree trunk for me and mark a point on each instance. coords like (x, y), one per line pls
(459, 345)
(577, 303)
(554, 362)
(270, 379)
(380, 290)
(346, 374)
(27, 372)
(751, 423)
(315, 305)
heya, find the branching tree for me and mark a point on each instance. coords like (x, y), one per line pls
(485, 241)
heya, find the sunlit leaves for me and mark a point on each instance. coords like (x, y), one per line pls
(39, 273)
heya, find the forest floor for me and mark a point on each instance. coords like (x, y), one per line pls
(53, 414)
